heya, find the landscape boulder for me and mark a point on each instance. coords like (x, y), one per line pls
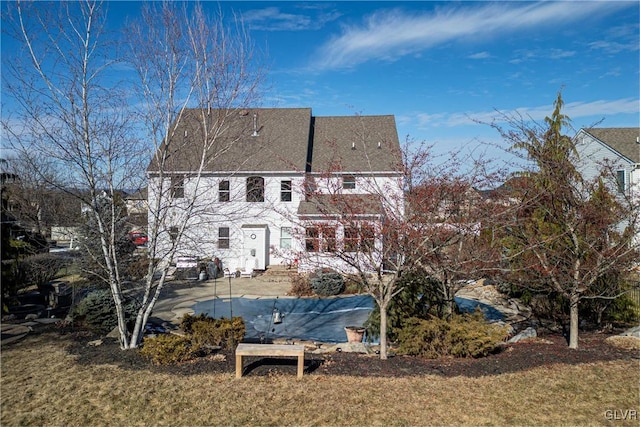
(527, 334)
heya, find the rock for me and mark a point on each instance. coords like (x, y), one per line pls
(115, 333)
(95, 343)
(527, 334)
(633, 332)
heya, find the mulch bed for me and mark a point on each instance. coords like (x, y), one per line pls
(545, 350)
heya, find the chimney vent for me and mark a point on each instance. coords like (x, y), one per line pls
(255, 124)
(353, 145)
(379, 144)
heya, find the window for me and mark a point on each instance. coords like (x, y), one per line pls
(312, 239)
(173, 233)
(621, 181)
(350, 239)
(310, 187)
(255, 189)
(328, 239)
(223, 191)
(285, 191)
(349, 182)
(285, 238)
(367, 238)
(360, 238)
(177, 187)
(223, 238)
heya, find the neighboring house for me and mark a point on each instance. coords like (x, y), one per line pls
(137, 209)
(616, 151)
(274, 184)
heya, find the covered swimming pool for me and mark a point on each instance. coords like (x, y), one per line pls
(310, 319)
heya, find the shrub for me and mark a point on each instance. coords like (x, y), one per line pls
(167, 349)
(465, 335)
(98, 311)
(420, 297)
(326, 282)
(138, 268)
(204, 331)
(353, 284)
(300, 286)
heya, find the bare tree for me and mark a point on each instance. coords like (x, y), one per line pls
(184, 59)
(70, 111)
(73, 109)
(424, 217)
(567, 236)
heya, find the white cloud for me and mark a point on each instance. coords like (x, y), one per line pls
(480, 55)
(273, 19)
(391, 34)
(574, 110)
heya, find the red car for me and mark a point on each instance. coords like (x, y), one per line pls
(138, 238)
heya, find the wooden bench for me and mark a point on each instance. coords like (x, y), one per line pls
(269, 350)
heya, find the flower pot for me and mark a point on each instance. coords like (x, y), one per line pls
(354, 333)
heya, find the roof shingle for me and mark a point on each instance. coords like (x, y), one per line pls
(622, 140)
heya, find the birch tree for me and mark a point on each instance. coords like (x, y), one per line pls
(184, 59)
(70, 110)
(74, 106)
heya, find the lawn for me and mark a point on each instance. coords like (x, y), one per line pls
(43, 384)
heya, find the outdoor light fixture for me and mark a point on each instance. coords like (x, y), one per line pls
(277, 317)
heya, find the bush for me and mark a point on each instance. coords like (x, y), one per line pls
(167, 349)
(462, 336)
(98, 311)
(325, 282)
(300, 286)
(204, 331)
(420, 297)
(353, 284)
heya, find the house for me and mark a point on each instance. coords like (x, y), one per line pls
(613, 150)
(274, 184)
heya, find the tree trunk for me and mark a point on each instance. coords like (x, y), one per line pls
(383, 331)
(573, 325)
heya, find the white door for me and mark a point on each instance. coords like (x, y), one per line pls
(255, 250)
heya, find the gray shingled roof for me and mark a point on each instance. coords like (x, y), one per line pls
(355, 144)
(333, 204)
(280, 145)
(285, 137)
(623, 140)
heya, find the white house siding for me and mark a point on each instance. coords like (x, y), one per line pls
(289, 145)
(594, 155)
(201, 233)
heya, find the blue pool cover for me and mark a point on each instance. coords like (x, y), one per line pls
(311, 319)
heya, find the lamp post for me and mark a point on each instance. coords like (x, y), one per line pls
(215, 292)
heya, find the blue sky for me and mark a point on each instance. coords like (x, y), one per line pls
(437, 66)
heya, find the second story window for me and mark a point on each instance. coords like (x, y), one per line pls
(349, 182)
(255, 189)
(177, 187)
(621, 181)
(285, 191)
(224, 194)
